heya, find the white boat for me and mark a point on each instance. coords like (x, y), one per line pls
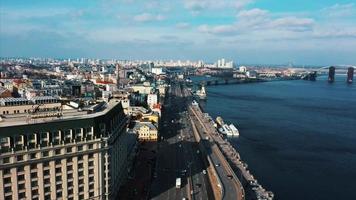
(225, 129)
(234, 130)
(201, 93)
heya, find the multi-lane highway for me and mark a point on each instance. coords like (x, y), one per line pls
(177, 155)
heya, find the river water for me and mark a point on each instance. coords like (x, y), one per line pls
(297, 137)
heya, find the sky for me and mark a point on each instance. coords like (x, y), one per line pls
(307, 32)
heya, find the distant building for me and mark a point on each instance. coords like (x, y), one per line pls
(143, 88)
(157, 70)
(146, 131)
(152, 99)
(223, 64)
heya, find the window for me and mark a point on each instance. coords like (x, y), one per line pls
(70, 184)
(20, 169)
(69, 168)
(20, 158)
(6, 160)
(21, 177)
(91, 179)
(35, 192)
(34, 175)
(91, 171)
(33, 166)
(91, 155)
(80, 173)
(21, 186)
(47, 189)
(47, 181)
(90, 146)
(22, 195)
(70, 176)
(58, 151)
(58, 170)
(59, 194)
(46, 164)
(58, 162)
(70, 191)
(80, 158)
(6, 171)
(45, 153)
(33, 156)
(58, 178)
(91, 187)
(80, 148)
(69, 149)
(7, 189)
(80, 166)
(91, 163)
(91, 194)
(34, 183)
(81, 181)
(46, 172)
(59, 187)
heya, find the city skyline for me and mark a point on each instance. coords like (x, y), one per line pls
(247, 31)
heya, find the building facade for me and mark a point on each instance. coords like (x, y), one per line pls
(74, 157)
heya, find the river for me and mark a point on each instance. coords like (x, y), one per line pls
(297, 137)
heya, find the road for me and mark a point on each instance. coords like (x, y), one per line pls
(177, 155)
(232, 188)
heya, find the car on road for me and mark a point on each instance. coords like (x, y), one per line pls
(229, 176)
(217, 165)
(204, 171)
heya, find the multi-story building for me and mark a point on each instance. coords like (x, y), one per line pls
(76, 156)
(146, 131)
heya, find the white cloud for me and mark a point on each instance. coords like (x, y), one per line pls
(218, 30)
(253, 13)
(199, 5)
(293, 23)
(182, 25)
(340, 10)
(148, 17)
(261, 22)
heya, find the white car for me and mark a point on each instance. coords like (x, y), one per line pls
(204, 171)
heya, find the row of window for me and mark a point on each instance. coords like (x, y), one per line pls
(46, 153)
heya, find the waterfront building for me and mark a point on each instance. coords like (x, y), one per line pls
(78, 155)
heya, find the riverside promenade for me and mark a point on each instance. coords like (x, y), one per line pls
(248, 187)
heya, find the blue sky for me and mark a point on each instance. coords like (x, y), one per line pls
(317, 32)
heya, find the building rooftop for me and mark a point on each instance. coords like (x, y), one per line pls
(12, 100)
(72, 114)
